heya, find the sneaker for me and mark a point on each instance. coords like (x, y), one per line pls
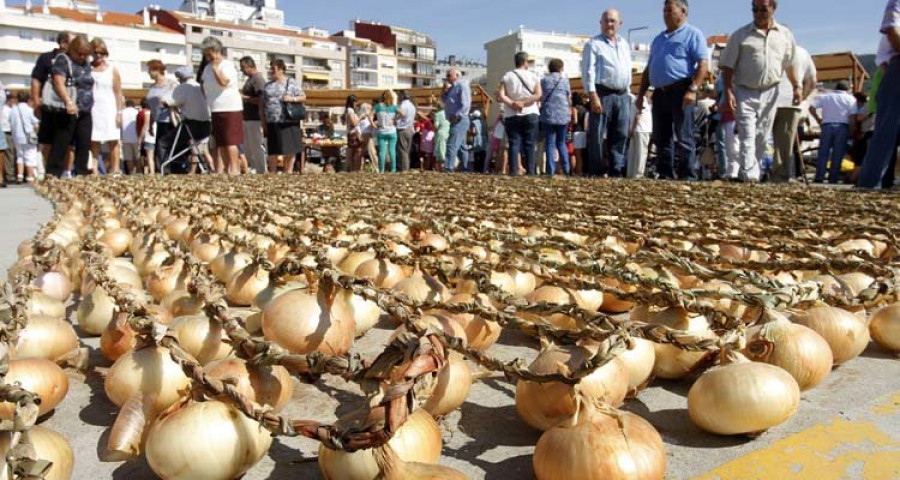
(20, 179)
(66, 175)
(29, 180)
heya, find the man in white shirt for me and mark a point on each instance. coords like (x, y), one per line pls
(883, 147)
(131, 149)
(9, 160)
(788, 116)
(837, 108)
(406, 118)
(641, 131)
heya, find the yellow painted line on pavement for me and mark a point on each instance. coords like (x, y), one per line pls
(834, 451)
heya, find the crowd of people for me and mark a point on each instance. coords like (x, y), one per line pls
(684, 123)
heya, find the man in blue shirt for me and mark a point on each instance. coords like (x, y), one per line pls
(457, 98)
(677, 68)
(606, 62)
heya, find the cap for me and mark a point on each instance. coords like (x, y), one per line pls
(184, 72)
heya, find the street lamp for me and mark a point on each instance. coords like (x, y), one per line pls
(636, 29)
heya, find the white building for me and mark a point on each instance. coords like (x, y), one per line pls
(132, 40)
(258, 13)
(370, 65)
(472, 71)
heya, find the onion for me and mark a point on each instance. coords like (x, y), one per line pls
(673, 363)
(594, 444)
(417, 440)
(846, 333)
(366, 313)
(180, 303)
(117, 240)
(397, 230)
(117, 339)
(148, 371)
(434, 241)
(525, 282)
(743, 398)
(392, 468)
(205, 440)
(41, 304)
(423, 288)
(639, 361)
(95, 311)
(591, 299)
(265, 385)
(202, 338)
(856, 282)
(206, 247)
(243, 288)
(612, 303)
(504, 282)
(167, 279)
(304, 323)
(480, 333)
(273, 291)
(48, 445)
(543, 405)
(382, 273)
(152, 262)
(40, 376)
(438, 322)
(726, 305)
(176, 227)
(45, 337)
(55, 284)
(452, 387)
(554, 296)
(353, 260)
(885, 328)
(798, 350)
(228, 264)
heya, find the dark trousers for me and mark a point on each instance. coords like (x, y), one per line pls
(71, 130)
(522, 132)
(165, 138)
(673, 133)
(882, 154)
(404, 147)
(9, 160)
(613, 123)
(832, 146)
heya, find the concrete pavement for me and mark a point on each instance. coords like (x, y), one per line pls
(847, 428)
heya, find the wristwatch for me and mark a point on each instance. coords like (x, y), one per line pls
(693, 88)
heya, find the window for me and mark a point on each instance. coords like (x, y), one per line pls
(387, 80)
(196, 29)
(26, 34)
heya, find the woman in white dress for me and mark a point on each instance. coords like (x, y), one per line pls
(107, 111)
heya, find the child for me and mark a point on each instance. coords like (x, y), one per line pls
(24, 127)
(498, 133)
(426, 130)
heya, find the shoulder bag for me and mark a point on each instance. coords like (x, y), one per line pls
(293, 112)
(49, 98)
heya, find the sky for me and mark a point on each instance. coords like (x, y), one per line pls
(462, 27)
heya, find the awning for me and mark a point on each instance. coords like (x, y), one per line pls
(316, 76)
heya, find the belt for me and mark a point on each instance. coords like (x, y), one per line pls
(674, 86)
(758, 89)
(826, 124)
(604, 90)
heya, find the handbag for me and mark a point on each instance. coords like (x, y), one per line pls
(293, 112)
(49, 98)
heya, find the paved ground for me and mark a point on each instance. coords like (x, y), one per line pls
(848, 428)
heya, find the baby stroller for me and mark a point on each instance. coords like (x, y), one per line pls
(185, 146)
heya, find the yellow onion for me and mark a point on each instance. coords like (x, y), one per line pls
(417, 440)
(176, 227)
(673, 363)
(353, 260)
(117, 338)
(152, 262)
(117, 240)
(726, 305)
(41, 304)
(181, 303)
(40, 376)
(481, 334)
(366, 313)
(543, 405)
(525, 282)
(382, 273)
(243, 287)
(504, 282)
(228, 264)
(847, 334)
(743, 397)
(278, 252)
(265, 385)
(452, 387)
(397, 230)
(221, 442)
(799, 350)
(54, 284)
(45, 337)
(202, 338)
(421, 288)
(273, 291)
(95, 311)
(148, 371)
(438, 322)
(434, 241)
(48, 445)
(591, 299)
(206, 247)
(553, 295)
(612, 303)
(392, 468)
(598, 443)
(856, 282)
(253, 323)
(304, 323)
(885, 328)
(639, 361)
(167, 279)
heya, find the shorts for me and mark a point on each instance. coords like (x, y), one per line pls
(228, 128)
(148, 147)
(579, 140)
(131, 152)
(27, 154)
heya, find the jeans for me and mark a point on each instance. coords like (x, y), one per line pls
(613, 124)
(555, 141)
(883, 146)
(387, 142)
(721, 153)
(72, 130)
(833, 146)
(521, 132)
(404, 146)
(165, 142)
(456, 146)
(672, 120)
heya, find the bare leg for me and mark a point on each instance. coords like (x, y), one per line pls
(242, 160)
(70, 159)
(115, 157)
(302, 155)
(273, 163)
(151, 163)
(20, 171)
(289, 161)
(232, 159)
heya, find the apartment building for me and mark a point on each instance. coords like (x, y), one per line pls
(370, 65)
(416, 52)
(470, 70)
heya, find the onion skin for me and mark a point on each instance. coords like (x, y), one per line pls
(481, 334)
(612, 303)
(39, 376)
(423, 288)
(542, 405)
(885, 328)
(55, 284)
(243, 288)
(202, 338)
(205, 440)
(269, 385)
(48, 445)
(303, 323)
(226, 265)
(417, 440)
(453, 384)
(599, 446)
(392, 468)
(846, 333)
(117, 339)
(553, 295)
(95, 311)
(146, 371)
(366, 313)
(743, 398)
(46, 337)
(382, 273)
(797, 349)
(180, 303)
(42, 305)
(639, 362)
(117, 240)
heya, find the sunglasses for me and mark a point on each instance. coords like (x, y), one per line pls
(760, 9)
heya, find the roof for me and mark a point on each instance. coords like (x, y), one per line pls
(190, 19)
(113, 19)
